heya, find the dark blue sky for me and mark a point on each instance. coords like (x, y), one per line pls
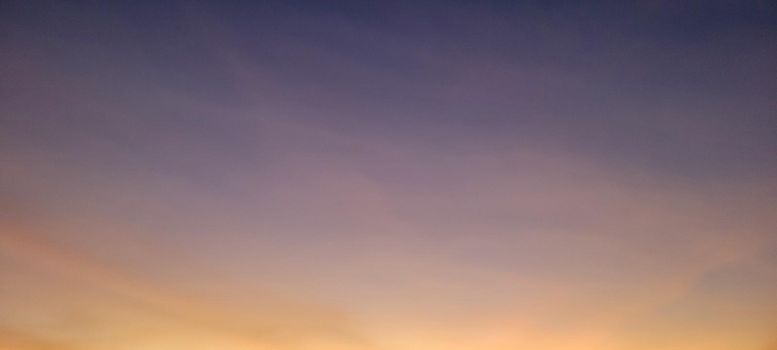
(682, 86)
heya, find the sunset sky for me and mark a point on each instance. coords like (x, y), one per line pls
(398, 175)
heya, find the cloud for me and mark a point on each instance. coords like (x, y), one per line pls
(282, 326)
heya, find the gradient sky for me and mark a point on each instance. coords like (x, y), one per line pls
(402, 175)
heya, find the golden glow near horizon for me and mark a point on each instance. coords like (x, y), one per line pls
(595, 281)
(295, 175)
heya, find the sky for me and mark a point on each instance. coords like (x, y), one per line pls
(399, 175)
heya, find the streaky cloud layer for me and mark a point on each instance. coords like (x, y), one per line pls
(388, 176)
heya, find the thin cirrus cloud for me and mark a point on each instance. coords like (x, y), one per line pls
(392, 177)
